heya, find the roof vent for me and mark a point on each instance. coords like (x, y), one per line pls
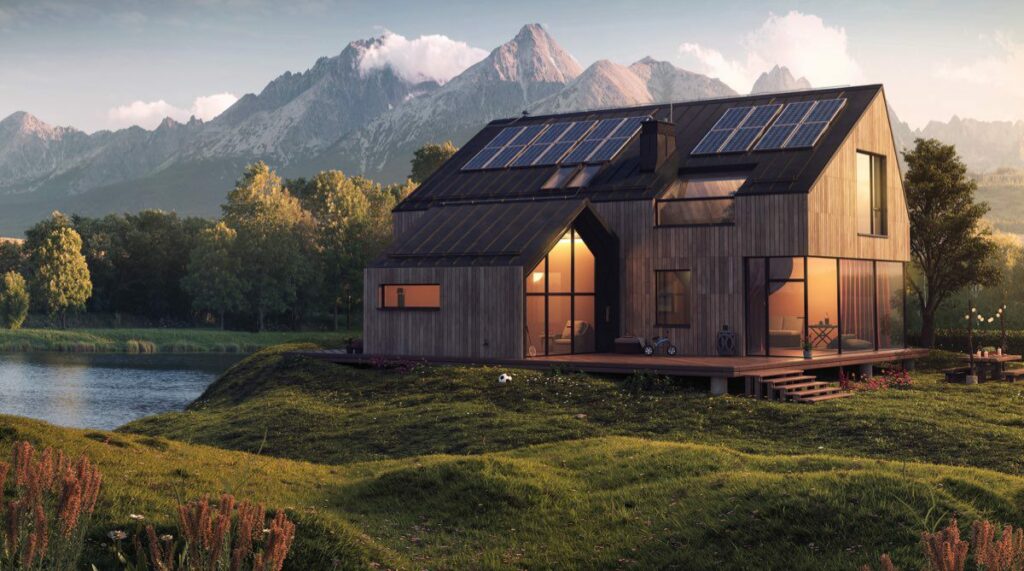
(657, 143)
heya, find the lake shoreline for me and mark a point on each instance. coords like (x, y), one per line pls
(159, 340)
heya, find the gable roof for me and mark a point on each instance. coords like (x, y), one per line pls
(767, 172)
(489, 234)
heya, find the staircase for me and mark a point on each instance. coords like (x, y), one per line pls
(793, 386)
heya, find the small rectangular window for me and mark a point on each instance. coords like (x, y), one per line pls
(559, 178)
(699, 200)
(871, 195)
(410, 296)
(672, 298)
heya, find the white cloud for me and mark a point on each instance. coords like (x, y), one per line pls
(433, 57)
(801, 42)
(1002, 70)
(149, 114)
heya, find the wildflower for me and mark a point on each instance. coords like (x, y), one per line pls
(117, 535)
(136, 517)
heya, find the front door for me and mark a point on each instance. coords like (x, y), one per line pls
(560, 300)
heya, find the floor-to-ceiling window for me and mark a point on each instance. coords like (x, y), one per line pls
(560, 305)
(836, 305)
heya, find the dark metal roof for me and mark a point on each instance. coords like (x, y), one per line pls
(767, 172)
(484, 234)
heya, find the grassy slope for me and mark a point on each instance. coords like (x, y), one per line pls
(304, 409)
(158, 340)
(610, 502)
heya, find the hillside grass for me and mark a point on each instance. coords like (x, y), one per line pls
(158, 340)
(300, 408)
(593, 503)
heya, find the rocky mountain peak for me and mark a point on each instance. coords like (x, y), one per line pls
(779, 78)
(532, 56)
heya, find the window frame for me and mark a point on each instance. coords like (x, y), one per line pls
(689, 299)
(381, 297)
(881, 206)
(699, 177)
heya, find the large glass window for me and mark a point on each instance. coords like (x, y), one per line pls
(696, 200)
(838, 305)
(857, 304)
(409, 296)
(891, 292)
(871, 195)
(560, 314)
(823, 305)
(672, 298)
(757, 307)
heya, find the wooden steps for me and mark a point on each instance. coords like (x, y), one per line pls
(792, 385)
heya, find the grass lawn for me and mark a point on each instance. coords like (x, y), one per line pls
(158, 340)
(441, 468)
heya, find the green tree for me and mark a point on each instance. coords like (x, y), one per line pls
(10, 256)
(353, 225)
(950, 247)
(213, 273)
(58, 274)
(428, 158)
(273, 236)
(13, 300)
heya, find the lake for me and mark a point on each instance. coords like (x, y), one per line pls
(103, 391)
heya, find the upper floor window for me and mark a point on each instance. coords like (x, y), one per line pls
(409, 296)
(697, 200)
(871, 195)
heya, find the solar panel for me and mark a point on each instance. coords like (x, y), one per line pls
(581, 153)
(554, 153)
(505, 156)
(604, 129)
(506, 135)
(794, 113)
(761, 115)
(530, 155)
(806, 135)
(824, 111)
(553, 132)
(481, 159)
(741, 140)
(711, 142)
(775, 137)
(732, 118)
(527, 135)
(608, 149)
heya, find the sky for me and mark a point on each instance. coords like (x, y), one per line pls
(107, 64)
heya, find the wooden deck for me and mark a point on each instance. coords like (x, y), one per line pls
(682, 366)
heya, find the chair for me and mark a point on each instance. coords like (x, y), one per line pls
(584, 334)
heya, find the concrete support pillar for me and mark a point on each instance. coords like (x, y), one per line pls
(908, 365)
(867, 371)
(719, 386)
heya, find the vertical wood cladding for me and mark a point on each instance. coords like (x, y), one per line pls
(481, 313)
(832, 203)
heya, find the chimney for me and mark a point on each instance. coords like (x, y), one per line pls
(657, 143)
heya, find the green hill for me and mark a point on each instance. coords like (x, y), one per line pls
(442, 468)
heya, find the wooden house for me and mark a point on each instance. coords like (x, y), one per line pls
(747, 227)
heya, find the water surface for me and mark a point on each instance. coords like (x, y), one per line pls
(103, 390)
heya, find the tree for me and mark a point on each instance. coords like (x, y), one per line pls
(10, 256)
(950, 247)
(353, 225)
(428, 158)
(273, 234)
(58, 274)
(213, 273)
(13, 300)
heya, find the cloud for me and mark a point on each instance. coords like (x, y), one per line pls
(433, 57)
(149, 114)
(1002, 70)
(801, 42)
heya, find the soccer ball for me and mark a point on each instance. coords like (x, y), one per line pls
(504, 378)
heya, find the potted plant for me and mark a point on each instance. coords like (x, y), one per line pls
(808, 347)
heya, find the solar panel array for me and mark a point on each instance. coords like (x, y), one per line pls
(799, 125)
(566, 143)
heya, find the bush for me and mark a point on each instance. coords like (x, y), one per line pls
(957, 340)
(14, 301)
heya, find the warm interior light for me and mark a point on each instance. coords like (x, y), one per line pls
(538, 276)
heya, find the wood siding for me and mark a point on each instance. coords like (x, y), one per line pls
(481, 314)
(771, 225)
(832, 207)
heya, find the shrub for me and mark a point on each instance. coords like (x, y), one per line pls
(945, 551)
(51, 502)
(14, 301)
(894, 378)
(229, 535)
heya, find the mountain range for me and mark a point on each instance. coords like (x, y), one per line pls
(342, 115)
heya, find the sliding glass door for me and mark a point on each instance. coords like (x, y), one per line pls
(835, 305)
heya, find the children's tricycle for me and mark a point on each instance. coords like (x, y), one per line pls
(657, 342)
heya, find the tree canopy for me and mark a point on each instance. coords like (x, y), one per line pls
(14, 300)
(950, 246)
(428, 158)
(59, 280)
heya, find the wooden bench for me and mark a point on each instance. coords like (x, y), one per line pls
(1013, 375)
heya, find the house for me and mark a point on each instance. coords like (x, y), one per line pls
(776, 218)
